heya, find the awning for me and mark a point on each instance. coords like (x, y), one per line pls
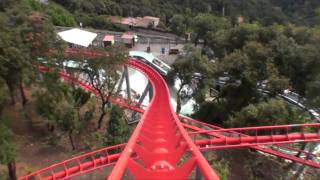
(127, 36)
(108, 38)
(78, 37)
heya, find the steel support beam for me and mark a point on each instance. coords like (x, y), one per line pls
(147, 89)
(120, 83)
(126, 75)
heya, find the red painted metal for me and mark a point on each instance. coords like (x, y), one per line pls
(159, 140)
(159, 143)
(275, 150)
(132, 105)
(164, 156)
(105, 157)
(236, 142)
(79, 165)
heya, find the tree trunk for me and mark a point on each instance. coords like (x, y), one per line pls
(102, 115)
(223, 10)
(71, 140)
(302, 149)
(12, 170)
(50, 127)
(23, 95)
(11, 92)
(178, 104)
(13, 100)
(178, 108)
(204, 42)
(293, 164)
(196, 41)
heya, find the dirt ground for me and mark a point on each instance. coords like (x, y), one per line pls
(32, 140)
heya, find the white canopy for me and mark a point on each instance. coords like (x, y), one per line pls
(78, 37)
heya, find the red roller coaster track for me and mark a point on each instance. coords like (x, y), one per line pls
(162, 146)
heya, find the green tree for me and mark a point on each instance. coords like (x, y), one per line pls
(317, 16)
(118, 130)
(271, 112)
(177, 24)
(299, 63)
(186, 67)
(13, 57)
(238, 36)
(60, 17)
(213, 112)
(103, 76)
(205, 23)
(26, 35)
(3, 96)
(53, 92)
(313, 92)
(7, 151)
(249, 69)
(241, 88)
(64, 108)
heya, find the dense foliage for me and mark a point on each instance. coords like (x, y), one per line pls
(259, 47)
(264, 11)
(118, 131)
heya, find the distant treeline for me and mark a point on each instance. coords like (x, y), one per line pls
(302, 12)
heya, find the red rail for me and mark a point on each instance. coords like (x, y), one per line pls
(264, 135)
(162, 157)
(275, 150)
(159, 140)
(79, 165)
(159, 143)
(132, 105)
(100, 159)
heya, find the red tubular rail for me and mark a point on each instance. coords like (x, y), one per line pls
(181, 144)
(85, 86)
(102, 161)
(302, 127)
(196, 126)
(78, 165)
(275, 135)
(159, 140)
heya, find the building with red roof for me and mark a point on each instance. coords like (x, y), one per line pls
(108, 40)
(146, 21)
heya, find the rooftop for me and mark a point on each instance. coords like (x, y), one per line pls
(127, 35)
(108, 38)
(78, 37)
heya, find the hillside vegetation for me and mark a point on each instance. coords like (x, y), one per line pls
(273, 45)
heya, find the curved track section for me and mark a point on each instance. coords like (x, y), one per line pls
(283, 151)
(159, 141)
(159, 147)
(132, 105)
(76, 166)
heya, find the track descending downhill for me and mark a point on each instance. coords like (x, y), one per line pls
(160, 146)
(159, 141)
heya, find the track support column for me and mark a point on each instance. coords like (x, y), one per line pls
(120, 83)
(126, 75)
(147, 90)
